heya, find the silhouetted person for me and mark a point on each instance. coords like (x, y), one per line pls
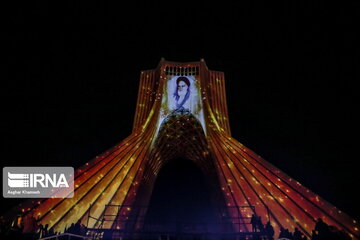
(321, 226)
(77, 227)
(46, 230)
(259, 224)
(322, 229)
(51, 232)
(269, 230)
(83, 229)
(289, 234)
(253, 222)
(41, 232)
(285, 233)
(314, 235)
(71, 228)
(282, 233)
(297, 234)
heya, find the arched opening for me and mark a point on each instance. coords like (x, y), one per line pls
(182, 195)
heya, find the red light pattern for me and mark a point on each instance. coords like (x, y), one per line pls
(125, 174)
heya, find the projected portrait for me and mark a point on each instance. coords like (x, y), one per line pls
(182, 93)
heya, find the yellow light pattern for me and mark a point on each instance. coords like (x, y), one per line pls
(246, 179)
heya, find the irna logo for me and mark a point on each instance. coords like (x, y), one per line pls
(23, 180)
(38, 182)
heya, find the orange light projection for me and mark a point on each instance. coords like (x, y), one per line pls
(125, 174)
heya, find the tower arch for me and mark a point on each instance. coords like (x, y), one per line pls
(181, 111)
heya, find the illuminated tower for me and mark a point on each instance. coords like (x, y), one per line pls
(181, 111)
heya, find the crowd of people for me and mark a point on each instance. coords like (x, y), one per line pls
(257, 226)
(322, 231)
(27, 228)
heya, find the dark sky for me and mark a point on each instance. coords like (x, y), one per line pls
(73, 69)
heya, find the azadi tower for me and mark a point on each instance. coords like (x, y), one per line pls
(181, 112)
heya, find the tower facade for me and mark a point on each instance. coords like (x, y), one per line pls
(181, 111)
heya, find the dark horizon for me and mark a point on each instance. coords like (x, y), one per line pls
(73, 74)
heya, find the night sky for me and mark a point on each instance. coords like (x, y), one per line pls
(72, 75)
